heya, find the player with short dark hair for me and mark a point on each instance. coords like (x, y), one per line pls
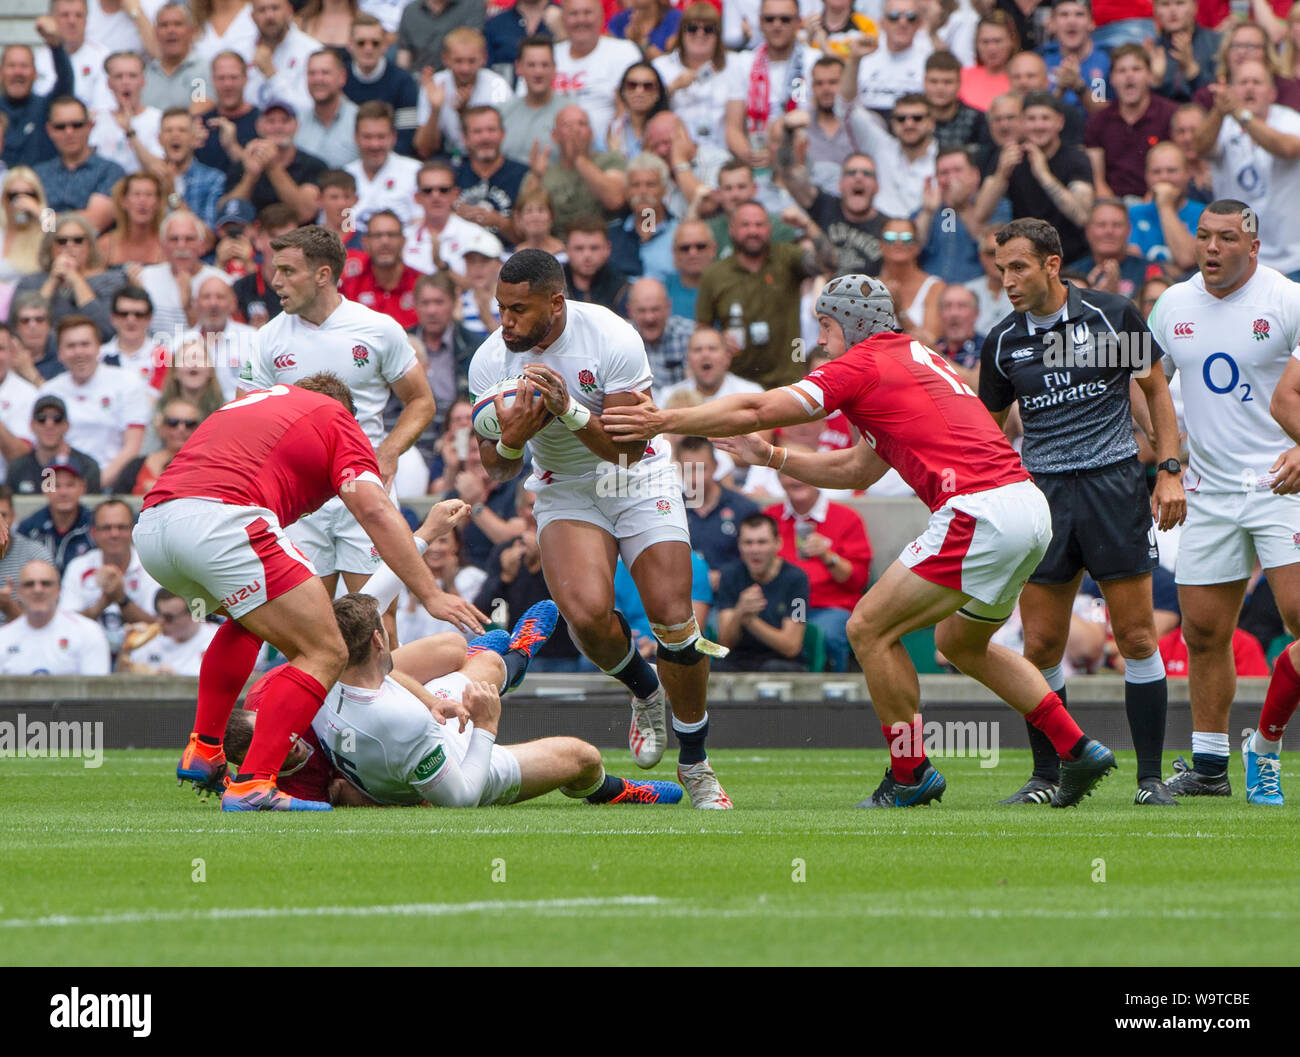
(1231, 331)
(597, 499)
(1065, 357)
(988, 530)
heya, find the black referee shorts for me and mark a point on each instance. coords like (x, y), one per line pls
(1101, 521)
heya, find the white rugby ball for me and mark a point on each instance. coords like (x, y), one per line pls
(485, 411)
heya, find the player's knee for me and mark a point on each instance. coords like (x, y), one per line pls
(585, 756)
(1043, 650)
(953, 638)
(1202, 636)
(864, 630)
(1136, 642)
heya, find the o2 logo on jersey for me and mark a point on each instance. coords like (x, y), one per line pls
(360, 355)
(1233, 380)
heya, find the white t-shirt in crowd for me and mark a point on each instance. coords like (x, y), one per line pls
(593, 80)
(885, 75)
(240, 37)
(1242, 169)
(183, 658)
(702, 104)
(17, 395)
(413, 620)
(81, 591)
(91, 79)
(289, 81)
(160, 285)
(456, 234)
(732, 385)
(108, 138)
(490, 89)
(392, 187)
(69, 644)
(102, 409)
(117, 31)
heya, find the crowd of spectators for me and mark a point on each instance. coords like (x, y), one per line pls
(700, 167)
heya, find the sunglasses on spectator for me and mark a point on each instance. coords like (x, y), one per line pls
(63, 126)
(861, 172)
(896, 16)
(12, 195)
(132, 313)
(38, 583)
(436, 189)
(53, 417)
(785, 20)
(645, 86)
(709, 29)
(188, 423)
(898, 236)
(368, 43)
(904, 119)
(75, 240)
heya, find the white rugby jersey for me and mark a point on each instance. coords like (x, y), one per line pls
(385, 741)
(183, 658)
(1230, 353)
(369, 351)
(1242, 169)
(81, 591)
(597, 353)
(100, 411)
(393, 187)
(69, 644)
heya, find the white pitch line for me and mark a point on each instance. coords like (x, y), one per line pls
(137, 917)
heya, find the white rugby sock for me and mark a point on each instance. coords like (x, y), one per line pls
(1210, 744)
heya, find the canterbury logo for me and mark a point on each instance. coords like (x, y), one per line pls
(1183, 330)
(284, 361)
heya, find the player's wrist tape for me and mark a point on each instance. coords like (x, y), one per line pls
(576, 417)
(507, 452)
(772, 454)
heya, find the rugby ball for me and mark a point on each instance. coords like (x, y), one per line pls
(485, 411)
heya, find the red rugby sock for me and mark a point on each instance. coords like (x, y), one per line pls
(226, 666)
(1282, 697)
(285, 713)
(1053, 720)
(906, 748)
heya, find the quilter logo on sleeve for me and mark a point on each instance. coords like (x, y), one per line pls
(76, 1010)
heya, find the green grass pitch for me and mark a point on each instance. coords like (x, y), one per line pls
(98, 867)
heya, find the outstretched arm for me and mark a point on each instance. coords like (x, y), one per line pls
(728, 416)
(855, 467)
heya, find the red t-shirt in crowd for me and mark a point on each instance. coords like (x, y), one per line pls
(284, 448)
(1247, 654)
(1107, 11)
(1211, 13)
(360, 285)
(919, 416)
(844, 528)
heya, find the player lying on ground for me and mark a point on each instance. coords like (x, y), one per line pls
(419, 724)
(989, 526)
(212, 531)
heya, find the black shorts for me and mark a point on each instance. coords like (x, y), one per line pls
(1101, 521)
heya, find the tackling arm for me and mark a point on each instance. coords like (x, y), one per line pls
(729, 416)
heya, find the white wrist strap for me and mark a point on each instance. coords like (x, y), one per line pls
(576, 417)
(507, 452)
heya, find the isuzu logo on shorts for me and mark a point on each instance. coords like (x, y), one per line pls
(247, 591)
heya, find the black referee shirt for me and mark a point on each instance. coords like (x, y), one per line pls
(1071, 379)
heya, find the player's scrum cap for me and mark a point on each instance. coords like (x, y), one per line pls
(862, 306)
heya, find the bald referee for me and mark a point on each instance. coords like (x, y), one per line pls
(1068, 357)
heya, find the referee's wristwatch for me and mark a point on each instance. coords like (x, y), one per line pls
(477, 509)
(1171, 466)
